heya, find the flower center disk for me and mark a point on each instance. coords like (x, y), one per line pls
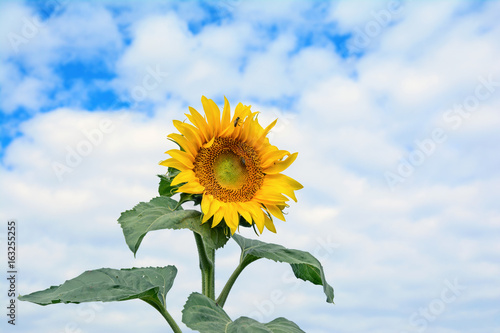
(229, 170)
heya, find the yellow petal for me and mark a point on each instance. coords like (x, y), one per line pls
(273, 197)
(282, 165)
(269, 224)
(185, 176)
(182, 157)
(190, 132)
(173, 163)
(193, 188)
(231, 216)
(243, 211)
(269, 158)
(280, 183)
(257, 215)
(276, 212)
(218, 217)
(187, 145)
(213, 208)
(251, 132)
(209, 143)
(213, 115)
(260, 140)
(244, 131)
(226, 115)
(205, 203)
(200, 122)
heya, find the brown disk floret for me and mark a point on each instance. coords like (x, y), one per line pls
(204, 165)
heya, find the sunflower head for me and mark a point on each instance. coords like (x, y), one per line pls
(229, 162)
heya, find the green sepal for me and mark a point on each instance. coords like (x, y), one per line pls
(244, 223)
(150, 284)
(202, 314)
(185, 197)
(304, 265)
(165, 188)
(165, 213)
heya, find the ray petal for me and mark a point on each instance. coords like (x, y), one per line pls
(218, 216)
(273, 209)
(190, 132)
(226, 115)
(193, 188)
(185, 176)
(174, 163)
(269, 224)
(182, 157)
(273, 156)
(213, 115)
(182, 141)
(281, 165)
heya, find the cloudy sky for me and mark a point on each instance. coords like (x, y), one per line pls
(393, 107)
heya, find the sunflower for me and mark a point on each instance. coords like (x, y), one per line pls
(230, 162)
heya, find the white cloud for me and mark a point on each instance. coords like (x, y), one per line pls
(349, 15)
(35, 47)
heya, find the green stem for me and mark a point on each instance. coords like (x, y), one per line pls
(170, 320)
(211, 275)
(207, 259)
(221, 300)
(165, 315)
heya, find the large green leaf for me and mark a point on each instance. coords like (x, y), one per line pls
(150, 284)
(304, 265)
(204, 315)
(165, 213)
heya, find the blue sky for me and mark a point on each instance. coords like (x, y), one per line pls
(392, 106)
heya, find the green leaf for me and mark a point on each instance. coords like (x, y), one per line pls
(165, 188)
(304, 265)
(150, 284)
(165, 213)
(204, 315)
(247, 325)
(282, 325)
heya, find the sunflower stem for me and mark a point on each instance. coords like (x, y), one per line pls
(170, 321)
(221, 300)
(207, 268)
